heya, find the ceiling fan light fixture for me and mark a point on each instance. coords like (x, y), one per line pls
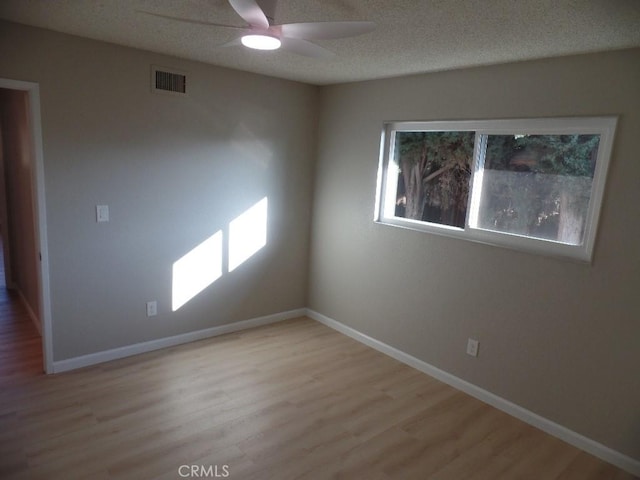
(261, 42)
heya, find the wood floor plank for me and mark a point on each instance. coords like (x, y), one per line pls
(293, 400)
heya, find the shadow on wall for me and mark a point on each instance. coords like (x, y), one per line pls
(203, 265)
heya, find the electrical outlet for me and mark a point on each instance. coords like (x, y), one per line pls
(152, 308)
(472, 347)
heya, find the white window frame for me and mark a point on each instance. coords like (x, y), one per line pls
(387, 181)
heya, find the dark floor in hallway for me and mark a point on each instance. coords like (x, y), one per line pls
(20, 342)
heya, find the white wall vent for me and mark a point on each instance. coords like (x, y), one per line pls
(168, 80)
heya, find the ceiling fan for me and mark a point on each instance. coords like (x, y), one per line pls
(261, 33)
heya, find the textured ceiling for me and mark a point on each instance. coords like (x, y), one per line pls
(412, 36)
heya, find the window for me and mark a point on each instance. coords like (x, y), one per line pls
(531, 184)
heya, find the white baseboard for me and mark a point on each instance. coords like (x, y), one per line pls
(135, 349)
(577, 440)
(34, 318)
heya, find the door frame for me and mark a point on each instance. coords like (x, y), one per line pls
(40, 221)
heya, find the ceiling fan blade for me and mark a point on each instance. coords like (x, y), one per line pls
(250, 12)
(303, 47)
(326, 30)
(188, 20)
(268, 7)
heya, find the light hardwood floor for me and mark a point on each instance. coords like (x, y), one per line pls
(293, 400)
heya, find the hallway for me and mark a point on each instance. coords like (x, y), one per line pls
(20, 343)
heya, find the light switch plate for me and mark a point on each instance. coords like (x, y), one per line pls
(102, 213)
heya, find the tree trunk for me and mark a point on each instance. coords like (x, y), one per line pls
(413, 171)
(414, 193)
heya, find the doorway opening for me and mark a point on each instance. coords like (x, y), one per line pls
(23, 220)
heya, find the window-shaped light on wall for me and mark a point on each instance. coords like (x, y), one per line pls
(247, 234)
(196, 270)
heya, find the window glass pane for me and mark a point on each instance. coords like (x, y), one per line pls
(538, 185)
(433, 179)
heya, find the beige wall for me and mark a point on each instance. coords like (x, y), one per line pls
(556, 337)
(18, 167)
(173, 170)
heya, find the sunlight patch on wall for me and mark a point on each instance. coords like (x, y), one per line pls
(197, 270)
(247, 234)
